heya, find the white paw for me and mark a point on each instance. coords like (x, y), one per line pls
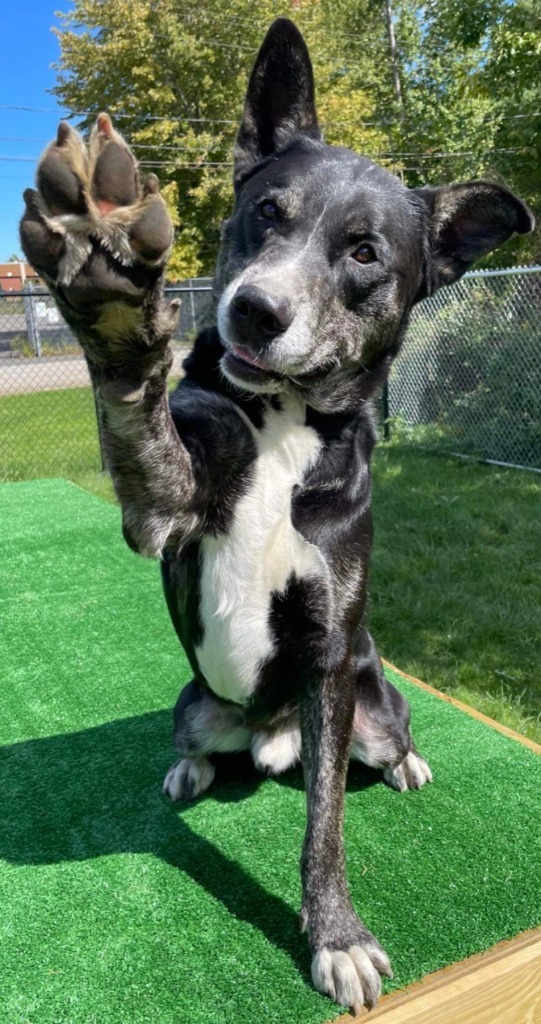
(274, 752)
(412, 773)
(352, 977)
(188, 778)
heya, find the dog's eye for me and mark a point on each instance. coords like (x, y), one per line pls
(364, 254)
(268, 209)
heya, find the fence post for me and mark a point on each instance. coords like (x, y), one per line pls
(31, 321)
(192, 304)
(98, 427)
(385, 410)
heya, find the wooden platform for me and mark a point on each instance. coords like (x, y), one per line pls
(499, 986)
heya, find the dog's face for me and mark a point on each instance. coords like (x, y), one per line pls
(324, 256)
(326, 252)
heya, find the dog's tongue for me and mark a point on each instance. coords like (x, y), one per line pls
(248, 357)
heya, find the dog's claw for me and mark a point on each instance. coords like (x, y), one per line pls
(105, 125)
(151, 184)
(351, 977)
(381, 961)
(412, 773)
(188, 779)
(30, 198)
(62, 134)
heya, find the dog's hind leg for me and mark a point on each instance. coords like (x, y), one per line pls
(381, 724)
(203, 725)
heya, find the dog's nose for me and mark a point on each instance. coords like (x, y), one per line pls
(258, 315)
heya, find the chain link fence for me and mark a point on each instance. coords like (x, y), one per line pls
(468, 379)
(47, 412)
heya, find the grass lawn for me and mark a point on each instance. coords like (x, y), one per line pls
(52, 434)
(456, 587)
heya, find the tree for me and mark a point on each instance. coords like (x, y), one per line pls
(473, 98)
(174, 75)
(174, 72)
(510, 76)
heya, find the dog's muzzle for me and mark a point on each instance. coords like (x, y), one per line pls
(259, 317)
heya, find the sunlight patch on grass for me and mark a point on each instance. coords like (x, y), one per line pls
(455, 590)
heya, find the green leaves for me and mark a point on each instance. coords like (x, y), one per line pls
(174, 72)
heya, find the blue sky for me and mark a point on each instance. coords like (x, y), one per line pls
(28, 48)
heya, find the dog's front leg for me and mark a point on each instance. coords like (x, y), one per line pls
(100, 240)
(347, 959)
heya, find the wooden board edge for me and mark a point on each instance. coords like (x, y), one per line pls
(443, 982)
(467, 709)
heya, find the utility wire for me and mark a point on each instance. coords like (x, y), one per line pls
(376, 123)
(134, 116)
(384, 155)
(353, 40)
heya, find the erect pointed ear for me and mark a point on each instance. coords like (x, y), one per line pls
(465, 222)
(280, 103)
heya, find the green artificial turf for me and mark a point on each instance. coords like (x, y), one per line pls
(117, 907)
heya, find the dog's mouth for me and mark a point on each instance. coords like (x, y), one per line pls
(241, 363)
(243, 367)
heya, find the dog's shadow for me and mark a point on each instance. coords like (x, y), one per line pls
(97, 792)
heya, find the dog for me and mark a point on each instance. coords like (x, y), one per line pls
(252, 484)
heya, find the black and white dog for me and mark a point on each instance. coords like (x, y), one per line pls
(252, 485)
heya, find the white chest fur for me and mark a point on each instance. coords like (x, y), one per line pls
(242, 569)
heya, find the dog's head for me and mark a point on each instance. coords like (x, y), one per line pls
(326, 252)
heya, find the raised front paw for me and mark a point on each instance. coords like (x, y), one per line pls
(92, 230)
(351, 975)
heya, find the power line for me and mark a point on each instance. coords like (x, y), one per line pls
(354, 40)
(387, 155)
(134, 116)
(376, 123)
(305, 26)
(142, 163)
(24, 138)
(176, 117)
(180, 147)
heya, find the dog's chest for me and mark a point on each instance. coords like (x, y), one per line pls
(241, 570)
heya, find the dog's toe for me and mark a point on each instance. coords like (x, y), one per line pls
(351, 977)
(412, 773)
(188, 778)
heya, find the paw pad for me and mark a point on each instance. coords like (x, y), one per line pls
(88, 196)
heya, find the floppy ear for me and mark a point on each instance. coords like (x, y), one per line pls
(465, 222)
(280, 102)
